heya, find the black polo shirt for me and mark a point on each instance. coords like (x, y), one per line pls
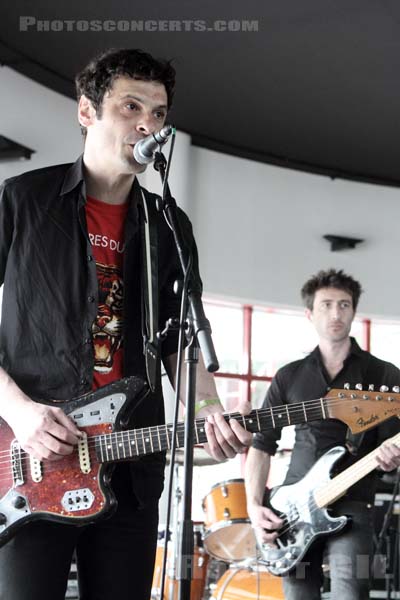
(307, 379)
(50, 295)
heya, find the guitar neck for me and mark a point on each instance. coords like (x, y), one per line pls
(121, 445)
(335, 488)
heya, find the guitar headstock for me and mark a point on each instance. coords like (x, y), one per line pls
(363, 409)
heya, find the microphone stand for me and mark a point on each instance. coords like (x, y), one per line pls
(198, 332)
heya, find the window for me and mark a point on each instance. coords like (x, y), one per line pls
(385, 340)
(253, 342)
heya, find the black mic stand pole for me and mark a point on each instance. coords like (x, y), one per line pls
(199, 334)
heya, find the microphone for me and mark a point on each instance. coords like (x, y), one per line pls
(144, 150)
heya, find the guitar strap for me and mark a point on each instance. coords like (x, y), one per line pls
(373, 373)
(149, 245)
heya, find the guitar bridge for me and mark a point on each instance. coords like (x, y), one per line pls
(16, 463)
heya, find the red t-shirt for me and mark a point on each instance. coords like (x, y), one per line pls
(106, 224)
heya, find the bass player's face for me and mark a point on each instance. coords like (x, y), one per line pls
(332, 314)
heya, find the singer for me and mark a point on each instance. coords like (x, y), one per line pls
(70, 258)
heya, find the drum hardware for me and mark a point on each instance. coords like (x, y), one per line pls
(200, 564)
(215, 570)
(243, 583)
(227, 537)
(170, 547)
(228, 534)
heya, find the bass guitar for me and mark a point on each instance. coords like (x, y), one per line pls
(76, 488)
(303, 507)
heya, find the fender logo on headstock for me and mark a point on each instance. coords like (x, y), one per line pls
(391, 411)
(365, 422)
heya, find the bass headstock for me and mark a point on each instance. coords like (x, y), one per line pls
(362, 409)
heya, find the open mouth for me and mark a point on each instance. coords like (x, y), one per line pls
(105, 347)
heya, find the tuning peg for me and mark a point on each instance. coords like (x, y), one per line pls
(384, 388)
(371, 387)
(359, 386)
(346, 386)
(396, 389)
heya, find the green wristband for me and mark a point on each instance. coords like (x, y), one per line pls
(199, 404)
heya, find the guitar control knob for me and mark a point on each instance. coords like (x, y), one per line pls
(3, 519)
(19, 502)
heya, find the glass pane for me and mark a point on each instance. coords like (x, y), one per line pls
(258, 392)
(279, 338)
(358, 332)
(385, 340)
(230, 391)
(227, 331)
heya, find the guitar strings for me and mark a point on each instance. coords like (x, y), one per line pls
(161, 432)
(124, 434)
(274, 413)
(345, 478)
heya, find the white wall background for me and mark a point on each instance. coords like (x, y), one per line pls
(259, 228)
(38, 118)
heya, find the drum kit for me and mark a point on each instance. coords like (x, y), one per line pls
(225, 557)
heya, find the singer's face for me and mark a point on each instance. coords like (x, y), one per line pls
(131, 110)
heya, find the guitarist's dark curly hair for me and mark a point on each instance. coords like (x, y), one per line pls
(334, 279)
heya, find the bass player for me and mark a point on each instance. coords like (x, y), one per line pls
(331, 298)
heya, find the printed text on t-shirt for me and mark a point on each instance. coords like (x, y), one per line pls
(105, 242)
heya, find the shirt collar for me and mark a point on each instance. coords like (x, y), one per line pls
(355, 350)
(73, 177)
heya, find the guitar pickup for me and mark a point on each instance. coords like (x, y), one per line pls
(84, 455)
(36, 469)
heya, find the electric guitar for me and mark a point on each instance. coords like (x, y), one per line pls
(302, 506)
(76, 488)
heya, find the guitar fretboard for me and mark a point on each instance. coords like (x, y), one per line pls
(335, 488)
(122, 445)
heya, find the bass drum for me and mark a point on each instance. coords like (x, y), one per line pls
(228, 533)
(248, 584)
